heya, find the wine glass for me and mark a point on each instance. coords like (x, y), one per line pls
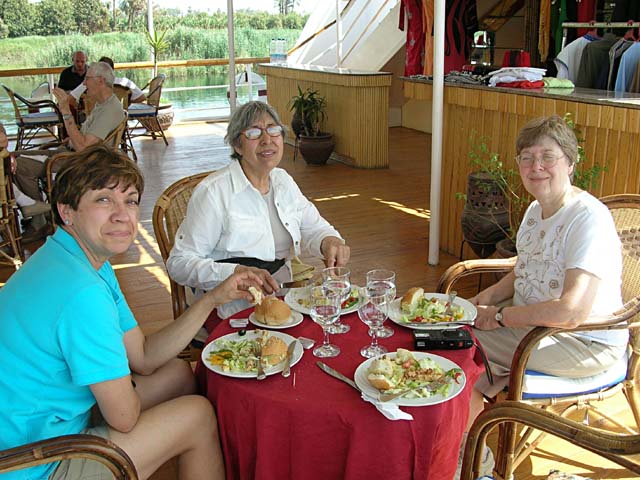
(382, 279)
(338, 278)
(373, 312)
(325, 311)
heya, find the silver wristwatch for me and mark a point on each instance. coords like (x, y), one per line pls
(499, 317)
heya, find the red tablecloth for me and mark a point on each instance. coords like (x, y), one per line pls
(321, 428)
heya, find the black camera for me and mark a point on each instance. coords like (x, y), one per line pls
(445, 339)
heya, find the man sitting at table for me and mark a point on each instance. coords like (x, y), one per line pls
(74, 75)
(137, 95)
(105, 117)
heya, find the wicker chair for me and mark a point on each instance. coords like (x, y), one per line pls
(8, 219)
(615, 447)
(146, 114)
(514, 448)
(168, 213)
(67, 447)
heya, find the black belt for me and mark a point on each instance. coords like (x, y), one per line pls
(271, 267)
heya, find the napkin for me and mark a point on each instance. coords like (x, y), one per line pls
(388, 409)
(239, 322)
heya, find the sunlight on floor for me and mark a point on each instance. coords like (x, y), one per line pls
(336, 197)
(418, 212)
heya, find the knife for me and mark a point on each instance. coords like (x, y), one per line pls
(286, 371)
(334, 373)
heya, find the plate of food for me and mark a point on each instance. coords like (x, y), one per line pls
(233, 355)
(275, 314)
(299, 299)
(424, 311)
(431, 379)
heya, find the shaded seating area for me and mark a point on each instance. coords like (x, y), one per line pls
(144, 116)
(564, 396)
(36, 119)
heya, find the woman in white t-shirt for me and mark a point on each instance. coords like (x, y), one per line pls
(568, 270)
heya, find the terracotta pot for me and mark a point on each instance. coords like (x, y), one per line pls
(296, 124)
(485, 218)
(316, 150)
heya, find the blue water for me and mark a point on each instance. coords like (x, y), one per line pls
(192, 97)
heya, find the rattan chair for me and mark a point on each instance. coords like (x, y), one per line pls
(618, 448)
(514, 446)
(145, 115)
(11, 252)
(67, 447)
(47, 120)
(168, 213)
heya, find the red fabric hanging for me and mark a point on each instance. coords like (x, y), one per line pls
(415, 36)
(586, 13)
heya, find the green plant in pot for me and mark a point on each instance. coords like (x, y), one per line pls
(495, 201)
(309, 112)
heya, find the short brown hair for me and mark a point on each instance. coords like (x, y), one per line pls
(553, 127)
(92, 169)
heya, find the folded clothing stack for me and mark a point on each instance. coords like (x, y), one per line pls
(517, 77)
(553, 82)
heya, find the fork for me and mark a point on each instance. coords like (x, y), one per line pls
(257, 351)
(452, 296)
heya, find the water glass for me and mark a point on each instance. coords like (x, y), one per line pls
(383, 280)
(338, 278)
(325, 311)
(373, 312)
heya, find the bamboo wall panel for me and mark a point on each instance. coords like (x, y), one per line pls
(357, 109)
(611, 133)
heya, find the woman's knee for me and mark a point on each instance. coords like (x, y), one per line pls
(199, 412)
(182, 373)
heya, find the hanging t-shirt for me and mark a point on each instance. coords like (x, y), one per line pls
(415, 36)
(627, 69)
(568, 60)
(595, 58)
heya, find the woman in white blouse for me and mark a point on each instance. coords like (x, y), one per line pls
(250, 215)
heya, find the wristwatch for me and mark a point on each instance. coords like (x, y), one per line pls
(499, 317)
(67, 116)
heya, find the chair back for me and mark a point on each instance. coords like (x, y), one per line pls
(155, 90)
(10, 246)
(124, 95)
(41, 90)
(168, 213)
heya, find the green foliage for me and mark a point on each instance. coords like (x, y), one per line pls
(90, 16)
(4, 30)
(19, 16)
(312, 110)
(55, 17)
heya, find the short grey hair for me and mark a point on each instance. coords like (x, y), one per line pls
(553, 127)
(103, 70)
(244, 117)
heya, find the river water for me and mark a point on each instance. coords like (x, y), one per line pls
(194, 97)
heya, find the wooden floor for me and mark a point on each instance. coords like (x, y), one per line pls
(383, 215)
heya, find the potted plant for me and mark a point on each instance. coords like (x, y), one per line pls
(495, 201)
(309, 112)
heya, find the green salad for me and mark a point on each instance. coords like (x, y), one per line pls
(235, 355)
(431, 310)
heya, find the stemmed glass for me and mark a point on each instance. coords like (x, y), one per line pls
(325, 311)
(384, 280)
(339, 279)
(373, 312)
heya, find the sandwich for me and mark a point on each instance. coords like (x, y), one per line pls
(272, 311)
(274, 350)
(411, 299)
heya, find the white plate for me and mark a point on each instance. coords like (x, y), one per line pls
(251, 334)
(470, 312)
(292, 296)
(360, 378)
(294, 319)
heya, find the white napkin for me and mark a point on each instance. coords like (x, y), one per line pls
(239, 322)
(390, 410)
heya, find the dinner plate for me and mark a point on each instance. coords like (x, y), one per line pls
(470, 312)
(294, 319)
(360, 378)
(295, 294)
(251, 335)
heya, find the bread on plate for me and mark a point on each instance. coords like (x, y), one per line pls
(380, 374)
(274, 350)
(272, 311)
(411, 298)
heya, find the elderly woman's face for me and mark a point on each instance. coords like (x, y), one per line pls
(545, 169)
(105, 223)
(264, 153)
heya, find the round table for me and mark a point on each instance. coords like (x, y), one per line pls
(320, 428)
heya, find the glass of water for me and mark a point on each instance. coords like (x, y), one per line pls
(383, 280)
(373, 312)
(338, 278)
(325, 311)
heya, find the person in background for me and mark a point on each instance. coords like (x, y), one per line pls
(83, 364)
(105, 117)
(137, 95)
(73, 75)
(568, 270)
(251, 215)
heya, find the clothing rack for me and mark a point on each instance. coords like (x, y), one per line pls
(567, 25)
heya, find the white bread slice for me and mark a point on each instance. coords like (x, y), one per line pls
(411, 299)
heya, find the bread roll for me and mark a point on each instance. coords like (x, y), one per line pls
(411, 299)
(272, 311)
(380, 374)
(257, 295)
(274, 351)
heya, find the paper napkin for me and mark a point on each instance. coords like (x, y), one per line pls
(388, 409)
(239, 322)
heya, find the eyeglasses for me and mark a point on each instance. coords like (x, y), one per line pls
(255, 133)
(547, 160)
